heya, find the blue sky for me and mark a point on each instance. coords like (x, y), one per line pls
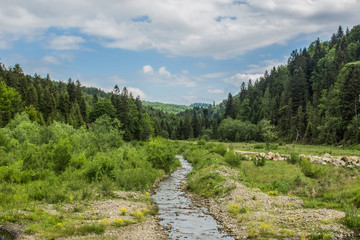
(169, 51)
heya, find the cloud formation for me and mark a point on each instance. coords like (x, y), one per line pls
(217, 28)
(237, 79)
(137, 92)
(66, 43)
(166, 77)
(216, 91)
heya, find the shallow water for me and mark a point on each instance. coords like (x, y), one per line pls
(180, 216)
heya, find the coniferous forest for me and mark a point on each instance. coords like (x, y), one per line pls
(313, 99)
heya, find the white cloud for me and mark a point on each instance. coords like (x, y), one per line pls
(166, 77)
(137, 92)
(147, 69)
(239, 78)
(216, 28)
(164, 72)
(266, 65)
(51, 59)
(66, 42)
(216, 91)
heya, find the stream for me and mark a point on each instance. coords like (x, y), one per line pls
(183, 219)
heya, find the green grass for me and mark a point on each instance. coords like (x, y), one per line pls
(317, 150)
(319, 185)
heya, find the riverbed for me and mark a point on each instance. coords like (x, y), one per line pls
(179, 215)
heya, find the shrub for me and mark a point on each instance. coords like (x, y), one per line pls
(311, 170)
(201, 142)
(259, 161)
(137, 178)
(161, 155)
(233, 159)
(102, 165)
(294, 158)
(207, 184)
(281, 186)
(219, 149)
(61, 155)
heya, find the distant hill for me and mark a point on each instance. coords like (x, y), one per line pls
(166, 107)
(200, 105)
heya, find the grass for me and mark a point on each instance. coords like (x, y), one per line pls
(320, 186)
(317, 150)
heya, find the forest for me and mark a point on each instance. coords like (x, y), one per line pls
(313, 99)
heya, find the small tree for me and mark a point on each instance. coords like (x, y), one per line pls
(267, 132)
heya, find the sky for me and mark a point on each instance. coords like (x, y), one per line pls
(172, 51)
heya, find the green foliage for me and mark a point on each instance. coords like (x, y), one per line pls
(107, 133)
(161, 155)
(311, 170)
(259, 146)
(259, 161)
(267, 132)
(219, 149)
(321, 235)
(10, 102)
(61, 155)
(168, 108)
(245, 131)
(233, 159)
(294, 158)
(207, 184)
(352, 218)
(137, 178)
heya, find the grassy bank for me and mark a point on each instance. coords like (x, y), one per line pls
(319, 186)
(284, 148)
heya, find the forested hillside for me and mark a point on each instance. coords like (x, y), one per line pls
(166, 107)
(314, 98)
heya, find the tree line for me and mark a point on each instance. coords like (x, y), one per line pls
(314, 98)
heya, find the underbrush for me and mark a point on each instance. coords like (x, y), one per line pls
(57, 164)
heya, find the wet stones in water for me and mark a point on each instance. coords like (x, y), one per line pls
(180, 217)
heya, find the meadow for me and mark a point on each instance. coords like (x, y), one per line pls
(319, 186)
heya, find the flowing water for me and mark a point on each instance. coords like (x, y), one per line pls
(179, 215)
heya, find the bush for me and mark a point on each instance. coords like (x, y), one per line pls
(137, 178)
(281, 186)
(311, 170)
(161, 155)
(233, 159)
(61, 155)
(206, 183)
(259, 161)
(102, 165)
(294, 158)
(219, 149)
